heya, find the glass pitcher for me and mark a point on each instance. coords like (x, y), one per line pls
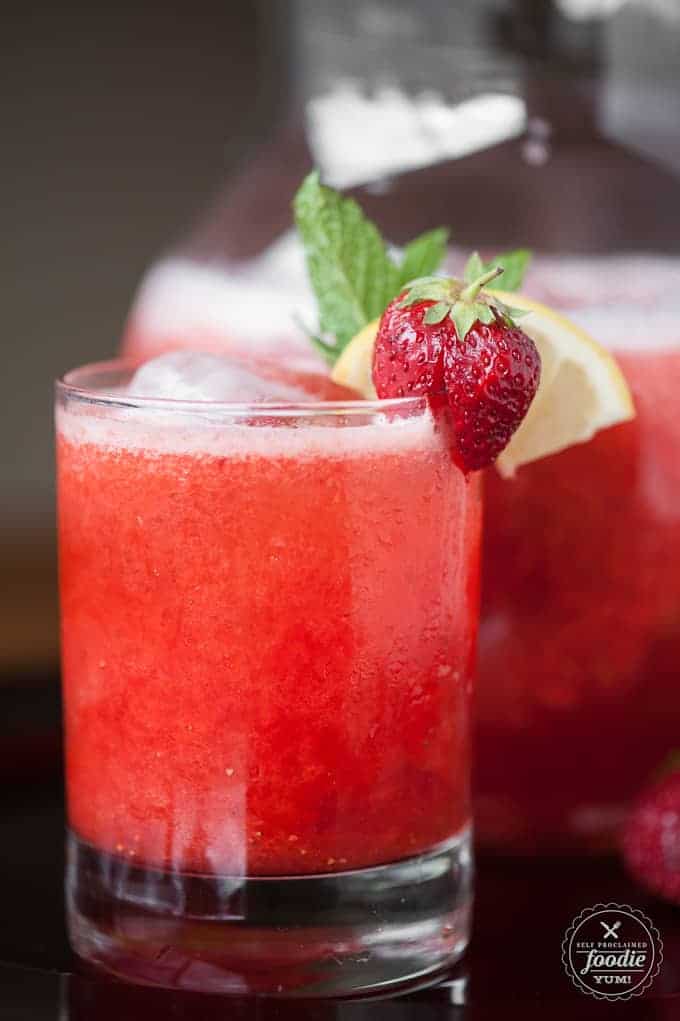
(547, 125)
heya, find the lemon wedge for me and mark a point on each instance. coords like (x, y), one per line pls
(354, 367)
(582, 388)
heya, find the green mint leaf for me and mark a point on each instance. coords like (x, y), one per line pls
(514, 265)
(347, 261)
(349, 265)
(436, 313)
(423, 256)
(474, 268)
(327, 351)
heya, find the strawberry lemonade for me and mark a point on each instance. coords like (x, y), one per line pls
(281, 705)
(580, 633)
(269, 615)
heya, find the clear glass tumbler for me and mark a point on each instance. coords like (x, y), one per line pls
(269, 615)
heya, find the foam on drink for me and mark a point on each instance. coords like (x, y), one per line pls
(187, 402)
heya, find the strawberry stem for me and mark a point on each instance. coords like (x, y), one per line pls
(470, 292)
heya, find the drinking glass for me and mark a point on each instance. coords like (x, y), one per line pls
(268, 622)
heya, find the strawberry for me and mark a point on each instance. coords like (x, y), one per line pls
(442, 336)
(408, 357)
(651, 837)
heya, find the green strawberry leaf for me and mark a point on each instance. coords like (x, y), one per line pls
(485, 313)
(427, 289)
(423, 256)
(464, 316)
(436, 313)
(350, 269)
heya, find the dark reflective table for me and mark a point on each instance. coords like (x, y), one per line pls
(512, 970)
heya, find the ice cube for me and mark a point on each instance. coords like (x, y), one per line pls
(197, 376)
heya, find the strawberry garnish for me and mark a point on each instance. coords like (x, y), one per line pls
(438, 337)
(445, 337)
(651, 837)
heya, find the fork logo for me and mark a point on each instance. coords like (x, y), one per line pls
(612, 952)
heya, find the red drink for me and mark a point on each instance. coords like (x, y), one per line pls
(578, 699)
(268, 629)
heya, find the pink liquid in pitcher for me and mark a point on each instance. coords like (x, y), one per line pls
(578, 699)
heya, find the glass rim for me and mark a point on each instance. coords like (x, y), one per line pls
(71, 385)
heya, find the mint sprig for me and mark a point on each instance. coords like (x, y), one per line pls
(350, 268)
(514, 265)
(422, 257)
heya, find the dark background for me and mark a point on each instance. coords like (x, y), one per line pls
(118, 123)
